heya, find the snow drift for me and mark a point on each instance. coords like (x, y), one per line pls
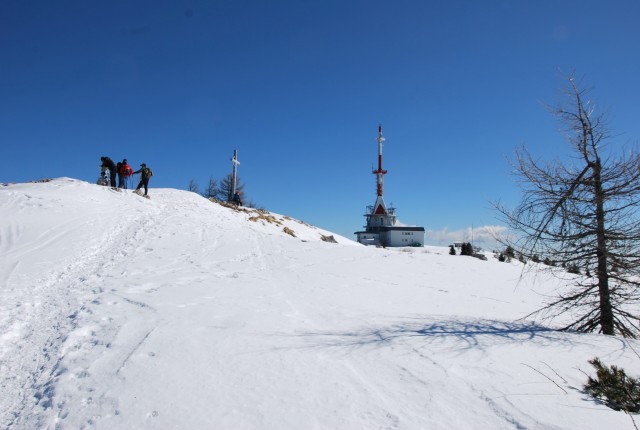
(176, 312)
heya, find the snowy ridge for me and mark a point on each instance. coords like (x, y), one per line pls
(120, 312)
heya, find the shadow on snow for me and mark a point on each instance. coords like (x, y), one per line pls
(477, 334)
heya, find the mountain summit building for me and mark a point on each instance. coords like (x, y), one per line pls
(381, 228)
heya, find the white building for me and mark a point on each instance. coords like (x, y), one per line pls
(392, 236)
(382, 228)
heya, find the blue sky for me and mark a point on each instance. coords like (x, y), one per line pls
(299, 87)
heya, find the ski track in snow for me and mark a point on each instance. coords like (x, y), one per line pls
(40, 313)
(178, 313)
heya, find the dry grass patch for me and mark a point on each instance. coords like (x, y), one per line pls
(265, 218)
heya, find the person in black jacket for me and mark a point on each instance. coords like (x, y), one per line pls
(119, 175)
(145, 174)
(109, 164)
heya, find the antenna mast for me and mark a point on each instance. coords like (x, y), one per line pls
(380, 173)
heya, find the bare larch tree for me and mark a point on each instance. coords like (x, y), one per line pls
(193, 186)
(583, 215)
(211, 190)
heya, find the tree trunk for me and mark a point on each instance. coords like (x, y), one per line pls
(606, 311)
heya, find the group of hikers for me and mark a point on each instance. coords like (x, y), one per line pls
(123, 171)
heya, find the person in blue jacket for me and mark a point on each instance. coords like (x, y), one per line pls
(237, 199)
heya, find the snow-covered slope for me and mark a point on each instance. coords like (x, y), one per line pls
(120, 312)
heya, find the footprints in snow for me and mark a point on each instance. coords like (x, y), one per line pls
(97, 349)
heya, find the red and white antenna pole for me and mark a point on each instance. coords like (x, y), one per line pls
(380, 173)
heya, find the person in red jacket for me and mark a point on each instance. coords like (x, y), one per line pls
(125, 173)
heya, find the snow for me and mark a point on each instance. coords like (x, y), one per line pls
(119, 312)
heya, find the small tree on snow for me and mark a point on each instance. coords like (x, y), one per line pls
(612, 385)
(224, 191)
(509, 252)
(193, 186)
